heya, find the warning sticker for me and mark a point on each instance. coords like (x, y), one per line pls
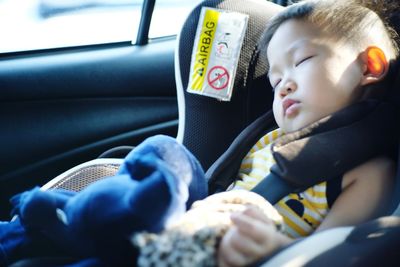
(216, 51)
(218, 77)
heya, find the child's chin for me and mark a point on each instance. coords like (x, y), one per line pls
(291, 128)
(298, 124)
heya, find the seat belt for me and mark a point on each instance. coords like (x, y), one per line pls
(273, 188)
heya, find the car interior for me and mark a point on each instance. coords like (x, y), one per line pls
(77, 112)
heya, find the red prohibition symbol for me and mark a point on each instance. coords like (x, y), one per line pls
(218, 77)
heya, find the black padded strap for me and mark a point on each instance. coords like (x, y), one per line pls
(327, 149)
(224, 171)
(336, 144)
(273, 188)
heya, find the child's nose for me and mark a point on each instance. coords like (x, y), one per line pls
(288, 87)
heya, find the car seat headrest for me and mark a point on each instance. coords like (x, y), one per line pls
(205, 122)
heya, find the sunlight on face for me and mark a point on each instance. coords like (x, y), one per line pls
(312, 75)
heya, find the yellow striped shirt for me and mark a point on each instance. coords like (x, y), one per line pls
(303, 212)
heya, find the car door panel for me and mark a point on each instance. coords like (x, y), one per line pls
(61, 108)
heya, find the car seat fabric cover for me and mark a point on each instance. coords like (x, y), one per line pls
(208, 122)
(374, 243)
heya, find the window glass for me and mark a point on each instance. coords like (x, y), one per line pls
(41, 24)
(169, 15)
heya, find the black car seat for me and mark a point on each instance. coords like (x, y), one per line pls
(207, 126)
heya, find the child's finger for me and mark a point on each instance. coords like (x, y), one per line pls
(257, 214)
(249, 249)
(265, 236)
(257, 230)
(232, 252)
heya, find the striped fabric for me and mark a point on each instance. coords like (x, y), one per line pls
(302, 212)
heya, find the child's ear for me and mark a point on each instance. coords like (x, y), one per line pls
(375, 65)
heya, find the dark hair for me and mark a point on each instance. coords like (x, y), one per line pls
(359, 23)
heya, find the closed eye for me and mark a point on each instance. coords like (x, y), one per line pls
(303, 60)
(275, 84)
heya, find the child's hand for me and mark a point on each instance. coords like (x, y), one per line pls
(252, 237)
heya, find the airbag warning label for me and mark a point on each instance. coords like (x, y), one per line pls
(216, 52)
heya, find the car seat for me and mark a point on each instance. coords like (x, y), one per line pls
(207, 126)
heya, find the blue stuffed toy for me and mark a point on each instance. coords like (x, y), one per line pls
(156, 183)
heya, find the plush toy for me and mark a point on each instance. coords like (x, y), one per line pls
(194, 239)
(141, 210)
(150, 190)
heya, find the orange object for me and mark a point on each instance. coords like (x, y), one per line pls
(377, 63)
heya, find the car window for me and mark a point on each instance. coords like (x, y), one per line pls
(169, 15)
(42, 24)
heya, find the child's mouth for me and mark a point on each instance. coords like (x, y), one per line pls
(290, 107)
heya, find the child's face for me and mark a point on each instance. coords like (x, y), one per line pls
(312, 75)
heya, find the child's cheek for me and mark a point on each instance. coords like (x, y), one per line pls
(277, 110)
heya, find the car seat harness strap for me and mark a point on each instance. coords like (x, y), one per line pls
(319, 152)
